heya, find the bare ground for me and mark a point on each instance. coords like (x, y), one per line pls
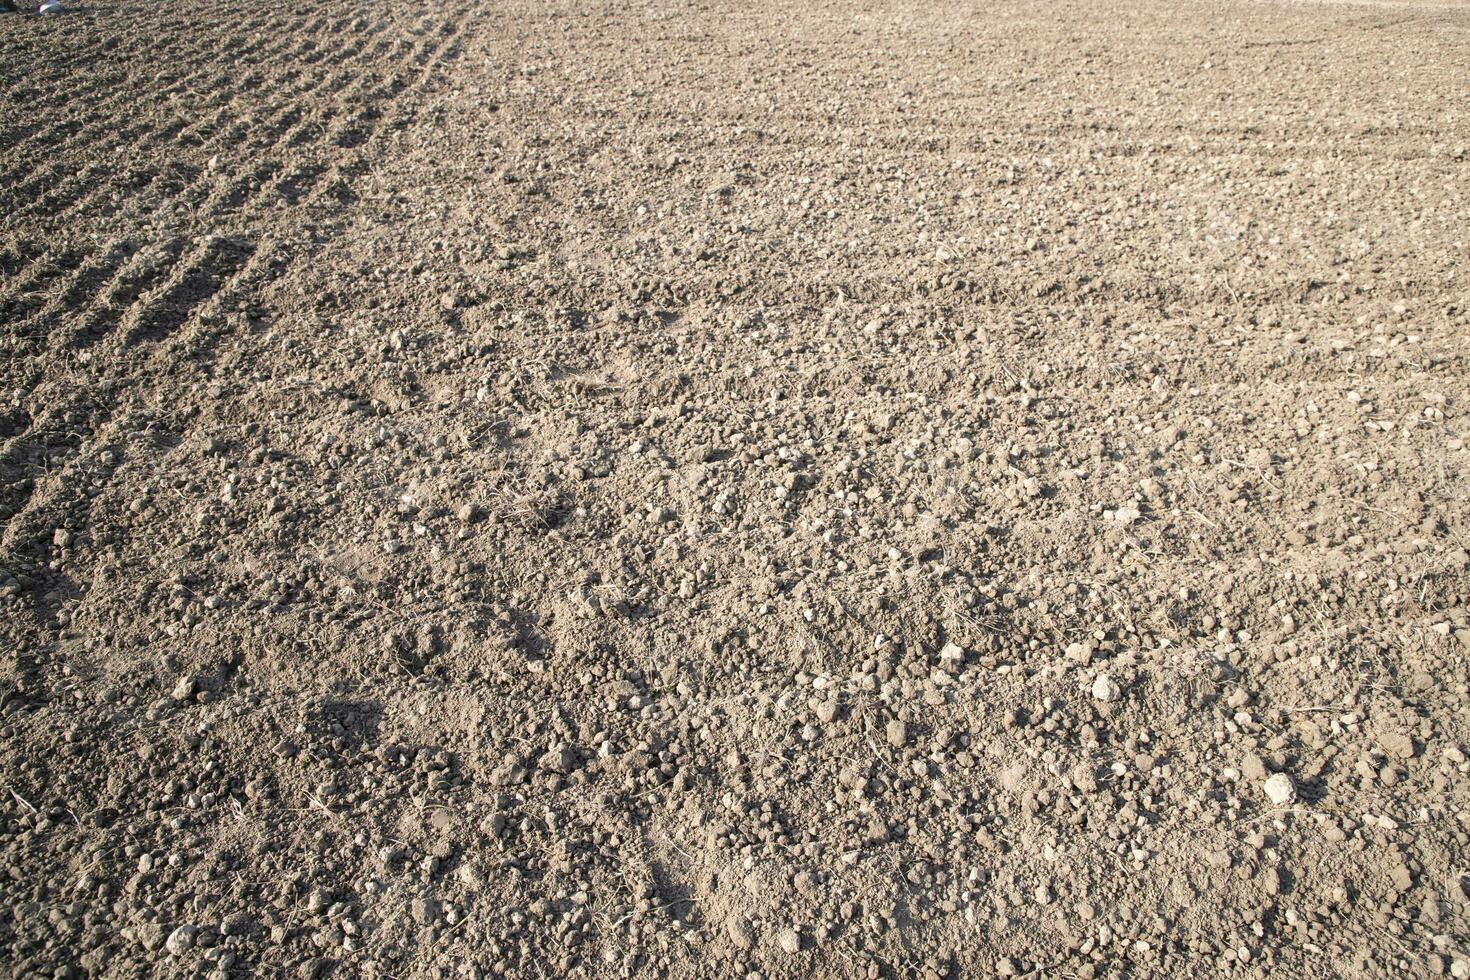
(783, 489)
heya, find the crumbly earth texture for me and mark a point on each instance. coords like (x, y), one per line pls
(734, 489)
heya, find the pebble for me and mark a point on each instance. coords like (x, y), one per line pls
(789, 940)
(181, 940)
(1104, 688)
(237, 924)
(1125, 515)
(1280, 789)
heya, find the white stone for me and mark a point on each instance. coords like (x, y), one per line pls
(181, 940)
(1280, 790)
(1104, 688)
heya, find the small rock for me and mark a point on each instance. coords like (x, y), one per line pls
(149, 935)
(185, 688)
(181, 940)
(1280, 789)
(1104, 688)
(493, 825)
(789, 940)
(237, 924)
(1126, 515)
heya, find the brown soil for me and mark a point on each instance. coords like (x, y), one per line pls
(734, 489)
